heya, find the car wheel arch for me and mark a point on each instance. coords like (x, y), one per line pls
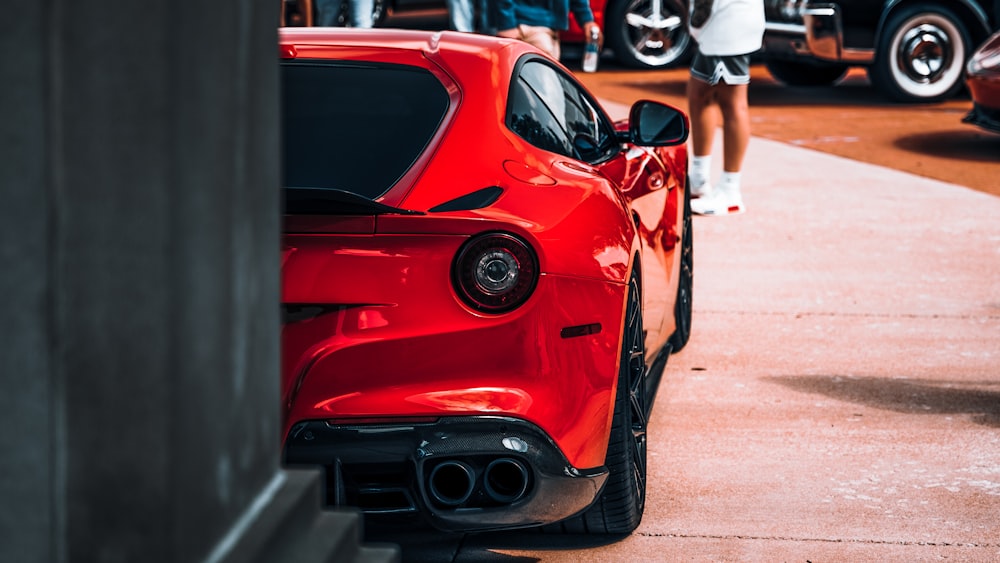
(970, 12)
(619, 507)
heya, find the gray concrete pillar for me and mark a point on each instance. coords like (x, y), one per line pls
(139, 221)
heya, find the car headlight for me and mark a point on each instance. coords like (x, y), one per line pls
(495, 272)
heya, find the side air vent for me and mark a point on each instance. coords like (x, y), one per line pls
(475, 200)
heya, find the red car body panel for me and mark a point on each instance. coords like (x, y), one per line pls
(575, 33)
(383, 334)
(983, 79)
(985, 90)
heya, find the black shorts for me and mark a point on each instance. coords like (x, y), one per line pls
(731, 69)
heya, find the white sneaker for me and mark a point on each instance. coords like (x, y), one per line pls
(721, 201)
(701, 190)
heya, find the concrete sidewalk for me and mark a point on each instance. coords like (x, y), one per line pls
(840, 396)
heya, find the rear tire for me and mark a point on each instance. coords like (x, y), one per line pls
(683, 304)
(619, 508)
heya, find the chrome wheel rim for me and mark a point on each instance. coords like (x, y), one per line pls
(655, 32)
(927, 56)
(637, 390)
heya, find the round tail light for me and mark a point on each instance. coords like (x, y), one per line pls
(495, 272)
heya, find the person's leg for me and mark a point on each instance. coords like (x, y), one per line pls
(735, 109)
(484, 8)
(361, 13)
(704, 113)
(726, 197)
(543, 38)
(730, 97)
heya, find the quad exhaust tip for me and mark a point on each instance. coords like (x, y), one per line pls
(506, 480)
(451, 482)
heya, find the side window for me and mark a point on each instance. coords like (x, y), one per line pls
(551, 112)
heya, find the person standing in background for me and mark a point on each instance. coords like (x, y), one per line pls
(727, 33)
(539, 22)
(470, 16)
(359, 12)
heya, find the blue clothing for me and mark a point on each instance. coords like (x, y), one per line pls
(328, 12)
(461, 16)
(553, 14)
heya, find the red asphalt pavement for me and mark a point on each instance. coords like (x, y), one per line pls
(839, 399)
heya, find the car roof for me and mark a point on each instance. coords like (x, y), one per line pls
(317, 42)
(476, 70)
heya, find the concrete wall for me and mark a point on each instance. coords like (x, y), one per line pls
(139, 220)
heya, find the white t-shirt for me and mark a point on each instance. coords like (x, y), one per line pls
(736, 27)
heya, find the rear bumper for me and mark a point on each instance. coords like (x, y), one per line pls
(459, 473)
(786, 41)
(547, 362)
(820, 36)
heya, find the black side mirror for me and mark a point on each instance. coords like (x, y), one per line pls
(652, 124)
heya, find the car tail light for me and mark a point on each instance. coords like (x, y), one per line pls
(495, 272)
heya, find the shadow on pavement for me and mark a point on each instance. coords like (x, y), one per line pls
(909, 396)
(971, 144)
(420, 544)
(842, 95)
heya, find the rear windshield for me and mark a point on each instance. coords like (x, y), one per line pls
(356, 127)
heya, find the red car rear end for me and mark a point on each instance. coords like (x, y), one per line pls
(466, 333)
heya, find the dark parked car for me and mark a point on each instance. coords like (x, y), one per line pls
(982, 75)
(914, 51)
(640, 33)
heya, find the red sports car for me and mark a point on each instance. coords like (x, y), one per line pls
(982, 75)
(483, 276)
